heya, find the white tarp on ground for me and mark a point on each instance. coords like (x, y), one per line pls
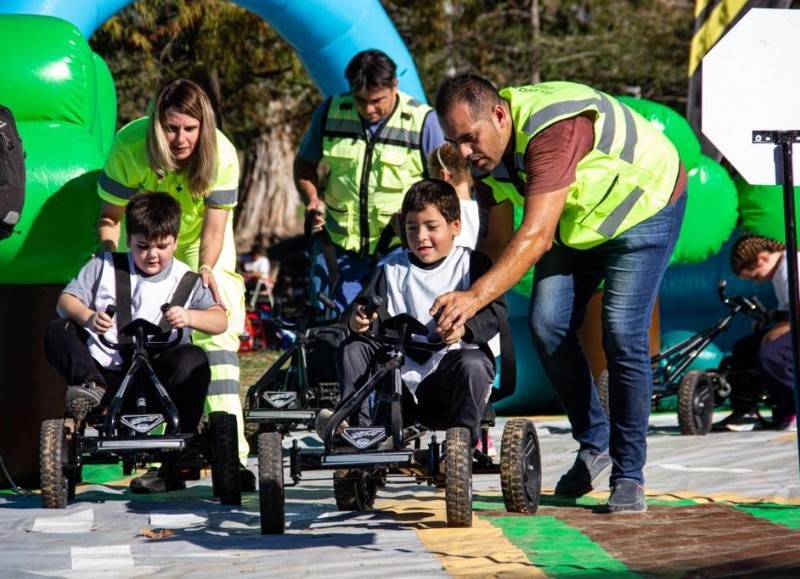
(99, 534)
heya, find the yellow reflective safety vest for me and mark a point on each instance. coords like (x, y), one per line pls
(627, 177)
(369, 177)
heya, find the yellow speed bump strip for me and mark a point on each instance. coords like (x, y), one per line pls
(481, 550)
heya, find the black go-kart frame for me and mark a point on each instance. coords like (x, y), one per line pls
(67, 444)
(285, 396)
(698, 391)
(364, 457)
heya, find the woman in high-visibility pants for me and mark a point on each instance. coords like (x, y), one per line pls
(177, 149)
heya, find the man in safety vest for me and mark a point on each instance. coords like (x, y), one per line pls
(603, 194)
(374, 141)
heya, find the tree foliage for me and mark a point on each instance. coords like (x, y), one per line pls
(264, 98)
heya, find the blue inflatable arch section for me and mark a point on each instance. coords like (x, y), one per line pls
(325, 34)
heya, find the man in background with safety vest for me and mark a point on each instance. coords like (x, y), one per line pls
(374, 141)
(603, 194)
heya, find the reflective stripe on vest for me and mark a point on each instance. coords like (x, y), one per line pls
(627, 177)
(368, 178)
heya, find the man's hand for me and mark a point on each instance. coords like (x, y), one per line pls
(318, 206)
(452, 310)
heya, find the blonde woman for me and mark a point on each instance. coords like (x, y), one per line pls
(177, 149)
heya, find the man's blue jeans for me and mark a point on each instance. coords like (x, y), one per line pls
(631, 267)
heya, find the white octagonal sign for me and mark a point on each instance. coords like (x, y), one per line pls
(751, 83)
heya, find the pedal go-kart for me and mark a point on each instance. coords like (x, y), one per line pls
(698, 391)
(364, 458)
(290, 392)
(67, 444)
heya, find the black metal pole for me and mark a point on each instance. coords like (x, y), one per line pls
(786, 141)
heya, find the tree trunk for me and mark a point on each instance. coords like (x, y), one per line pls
(270, 209)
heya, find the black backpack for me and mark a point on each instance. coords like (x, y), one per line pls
(12, 173)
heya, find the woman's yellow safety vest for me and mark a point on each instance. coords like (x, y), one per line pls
(368, 178)
(627, 177)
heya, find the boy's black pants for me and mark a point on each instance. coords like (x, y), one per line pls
(455, 394)
(183, 370)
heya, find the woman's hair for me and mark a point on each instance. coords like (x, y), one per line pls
(744, 253)
(154, 216)
(448, 158)
(435, 192)
(185, 97)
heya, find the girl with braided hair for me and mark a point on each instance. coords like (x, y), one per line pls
(769, 349)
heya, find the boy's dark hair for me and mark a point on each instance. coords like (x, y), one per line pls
(371, 69)
(434, 192)
(154, 216)
(745, 250)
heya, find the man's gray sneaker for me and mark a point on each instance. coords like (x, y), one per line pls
(83, 398)
(581, 478)
(627, 496)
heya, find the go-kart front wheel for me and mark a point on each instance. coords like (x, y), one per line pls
(57, 485)
(520, 467)
(458, 477)
(224, 458)
(270, 483)
(696, 403)
(355, 489)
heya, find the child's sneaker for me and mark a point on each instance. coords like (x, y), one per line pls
(321, 421)
(737, 421)
(83, 398)
(783, 421)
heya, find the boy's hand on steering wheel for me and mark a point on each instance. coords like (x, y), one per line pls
(453, 335)
(100, 323)
(359, 323)
(178, 317)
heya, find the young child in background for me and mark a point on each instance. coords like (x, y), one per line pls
(457, 379)
(446, 164)
(769, 350)
(94, 371)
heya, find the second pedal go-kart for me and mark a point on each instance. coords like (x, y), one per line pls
(698, 391)
(364, 459)
(295, 387)
(128, 437)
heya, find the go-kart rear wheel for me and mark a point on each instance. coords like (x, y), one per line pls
(695, 403)
(270, 483)
(355, 489)
(602, 391)
(520, 467)
(54, 465)
(458, 477)
(224, 458)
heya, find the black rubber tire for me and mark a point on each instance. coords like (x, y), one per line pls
(225, 458)
(520, 466)
(397, 423)
(458, 477)
(355, 489)
(53, 461)
(270, 483)
(602, 391)
(695, 403)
